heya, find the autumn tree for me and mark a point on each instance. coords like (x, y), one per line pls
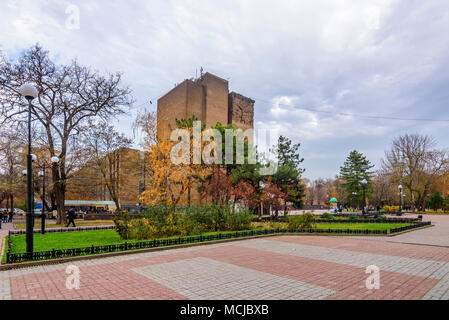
(69, 95)
(414, 162)
(199, 171)
(272, 195)
(168, 181)
(245, 193)
(219, 187)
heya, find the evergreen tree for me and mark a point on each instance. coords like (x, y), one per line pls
(355, 169)
(288, 175)
(436, 201)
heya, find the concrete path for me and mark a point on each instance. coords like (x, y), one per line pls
(280, 267)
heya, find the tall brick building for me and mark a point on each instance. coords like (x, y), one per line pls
(207, 98)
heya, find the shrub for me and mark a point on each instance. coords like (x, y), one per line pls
(303, 221)
(122, 221)
(381, 217)
(327, 216)
(276, 225)
(391, 208)
(164, 222)
(353, 218)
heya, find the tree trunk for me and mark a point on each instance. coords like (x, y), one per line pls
(59, 195)
(11, 202)
(59, 192)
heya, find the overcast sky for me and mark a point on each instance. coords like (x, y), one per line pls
(376, 58)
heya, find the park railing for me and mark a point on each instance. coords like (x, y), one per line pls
(412, 226)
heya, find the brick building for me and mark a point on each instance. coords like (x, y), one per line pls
(207, 98)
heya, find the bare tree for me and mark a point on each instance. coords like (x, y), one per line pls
(104, 148)
(69, 95)
(414, 162)
(11, 160)
(146, 124)
(384, 190)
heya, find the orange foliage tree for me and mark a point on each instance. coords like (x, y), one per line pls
(168, 181)
(219, 187)
(272, 195)
(246, 194)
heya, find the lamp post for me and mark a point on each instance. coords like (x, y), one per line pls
(29, 92)
(364, 183)
(42, 174)
(354, 196)
(400, 198)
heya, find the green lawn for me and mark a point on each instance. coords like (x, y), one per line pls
(79, 239)
(65, 240)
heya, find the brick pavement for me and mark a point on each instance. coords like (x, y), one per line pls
(281, 267)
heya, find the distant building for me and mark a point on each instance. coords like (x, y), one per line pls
(207, 98)
(88, 183)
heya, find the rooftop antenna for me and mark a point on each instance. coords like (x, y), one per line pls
(201, 72)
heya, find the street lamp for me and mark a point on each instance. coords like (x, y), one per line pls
(400, 198)
(354, 196)
(364, 182)
(29, 92)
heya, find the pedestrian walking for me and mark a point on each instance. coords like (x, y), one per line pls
(71, 216)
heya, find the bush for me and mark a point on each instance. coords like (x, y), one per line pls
(381, 217)
(122, 221)
(391, 208)
(327, 216)
(163, 222)
(353, 218)
(303, 221)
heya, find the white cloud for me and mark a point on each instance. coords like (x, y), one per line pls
(357, 57)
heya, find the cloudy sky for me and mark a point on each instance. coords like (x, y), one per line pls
(313, 67)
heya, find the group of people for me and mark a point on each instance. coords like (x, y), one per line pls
(5, 216)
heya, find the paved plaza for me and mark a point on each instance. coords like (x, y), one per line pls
(279, 267)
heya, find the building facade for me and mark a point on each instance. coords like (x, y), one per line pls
(209, 99)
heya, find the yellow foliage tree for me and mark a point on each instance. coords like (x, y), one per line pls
(168, 181)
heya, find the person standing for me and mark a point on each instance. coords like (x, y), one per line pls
(71, 216)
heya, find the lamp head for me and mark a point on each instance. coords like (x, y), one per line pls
(24, 172)
(33, 157)
(364, 181)
(54, 159)
(400, 187)
(41, 173)
(29, 91)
